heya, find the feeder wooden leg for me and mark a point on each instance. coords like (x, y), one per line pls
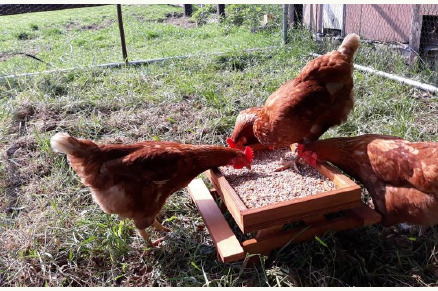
(216, 196)
(214, 193)
(227, 245)
(268, 243)
(267, 232)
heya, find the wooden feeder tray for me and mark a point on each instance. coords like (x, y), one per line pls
(316, 211)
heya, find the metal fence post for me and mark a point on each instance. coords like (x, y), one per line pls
(221, 11)
(122, 33)
(188, 9)
(285, 17)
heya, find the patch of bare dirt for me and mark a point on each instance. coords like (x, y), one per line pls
(16, 157)
(164, 120)
(22, 114)
(174, 18)
(181, 22)
(22, 160)
(4, 57)
(42, 118)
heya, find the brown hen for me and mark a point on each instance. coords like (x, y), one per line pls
(401, 176)
(302, 109)
(135, 180)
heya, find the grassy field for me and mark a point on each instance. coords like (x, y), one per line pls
(51, 232)
(90, 36)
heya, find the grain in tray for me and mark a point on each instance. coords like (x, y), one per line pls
(262, 186)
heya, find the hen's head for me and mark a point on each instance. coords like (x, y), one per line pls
(243, 133)
(244, 160)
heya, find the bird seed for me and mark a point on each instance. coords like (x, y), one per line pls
(262, 186)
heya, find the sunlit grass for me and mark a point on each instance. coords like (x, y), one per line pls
(53, 234)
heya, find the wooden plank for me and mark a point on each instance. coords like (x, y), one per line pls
(345, 197)
(300, 208)
(366, 215)
(266, 244)
(268, 232)
(314, 219)
(336, 176)
(229, 197)
(227, 245)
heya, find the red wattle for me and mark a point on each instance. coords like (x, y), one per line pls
(249, 154)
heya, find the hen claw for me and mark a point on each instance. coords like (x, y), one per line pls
(288, 164)
(156, 242)
(158, 226)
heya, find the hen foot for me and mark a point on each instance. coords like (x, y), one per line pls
(290, 164)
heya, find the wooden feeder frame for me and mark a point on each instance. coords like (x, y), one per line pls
(268, 221)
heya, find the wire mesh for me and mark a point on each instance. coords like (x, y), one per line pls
(57, 37)
(11, 9)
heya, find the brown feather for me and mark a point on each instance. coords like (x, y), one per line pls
(135, 180)
(401, 176)
(302, 109)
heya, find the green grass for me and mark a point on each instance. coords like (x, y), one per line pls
(53, 234)
(90, 36)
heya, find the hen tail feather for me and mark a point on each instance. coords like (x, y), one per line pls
(350, 45)
(62, 142)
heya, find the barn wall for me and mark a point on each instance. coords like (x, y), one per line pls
(380, 22)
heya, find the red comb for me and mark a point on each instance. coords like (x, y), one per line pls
(249, 154)
(231, 143)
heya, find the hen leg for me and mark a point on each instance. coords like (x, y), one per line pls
(290, 164)
(158, 226)
(145, 236)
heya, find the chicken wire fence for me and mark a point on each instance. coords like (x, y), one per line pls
(397, 39)
(11, 9)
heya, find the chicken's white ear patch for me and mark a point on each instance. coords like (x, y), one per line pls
(334, 87)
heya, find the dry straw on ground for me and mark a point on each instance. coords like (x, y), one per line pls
(262, 186)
